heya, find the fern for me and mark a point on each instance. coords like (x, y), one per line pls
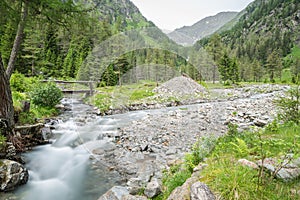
(240, 147)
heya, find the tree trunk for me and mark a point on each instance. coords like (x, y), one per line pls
(18, 40)
(6, 103)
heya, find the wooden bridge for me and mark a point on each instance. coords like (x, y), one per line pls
(89, 91)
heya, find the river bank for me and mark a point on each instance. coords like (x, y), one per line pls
(141, 150)
(135, 147)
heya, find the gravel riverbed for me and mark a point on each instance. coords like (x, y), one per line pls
(140, 150)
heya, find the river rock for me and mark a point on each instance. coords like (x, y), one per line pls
(131, 197)
(134, 185)
(12, 174)
(183, 192)
(260, 122)
(289, 170)
(146, 171)
(10, 150)
(115, 193)
(153, 188)
(245, 162)
(200, 191)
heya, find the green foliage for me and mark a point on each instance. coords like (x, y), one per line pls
(2, 140)
(171, 180)
(200, 150)
(40, 112)
(18, 98)
(179, 173)
(233, 181)
(19, 83)
(240, 147)
(102, 101)
(46, 95)
(27, 118)
(290, 105)
(228, 69)
(258, 34)
(141, 94)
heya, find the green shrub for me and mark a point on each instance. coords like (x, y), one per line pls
(18, 99)
(46, 95)
(289, 105)
(18, 82)
(27, 118)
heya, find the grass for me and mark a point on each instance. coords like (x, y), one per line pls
(179, 173)
(296, 52)
(233, 181)
(230, 180)
(117, 96)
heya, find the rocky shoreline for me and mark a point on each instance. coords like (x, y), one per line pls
(140, 151)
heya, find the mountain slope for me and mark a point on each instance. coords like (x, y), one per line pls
(264, 34)
(266, 26)
(188, 35)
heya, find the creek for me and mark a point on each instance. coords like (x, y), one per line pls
(67, 170)
(64, 169)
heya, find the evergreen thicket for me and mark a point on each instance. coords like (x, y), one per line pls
(262, 41)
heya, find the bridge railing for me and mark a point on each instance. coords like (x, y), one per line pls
(89, 91)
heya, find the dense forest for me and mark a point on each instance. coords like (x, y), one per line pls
(265, 41)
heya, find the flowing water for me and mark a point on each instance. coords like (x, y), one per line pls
(63, 170)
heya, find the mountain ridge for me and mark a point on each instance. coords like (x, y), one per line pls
(188, 35)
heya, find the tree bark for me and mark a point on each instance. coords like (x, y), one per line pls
(18, 40)
(6, 102)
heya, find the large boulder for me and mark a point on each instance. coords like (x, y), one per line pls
(115, 193)
(183, 192)
(200, 191)
(286, 171)
(12, 174)
(153, 188)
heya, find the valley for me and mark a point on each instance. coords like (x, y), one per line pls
(209, 109)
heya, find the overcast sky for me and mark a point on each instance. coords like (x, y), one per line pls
(172, 14)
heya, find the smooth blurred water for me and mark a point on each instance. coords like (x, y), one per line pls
(64, 169)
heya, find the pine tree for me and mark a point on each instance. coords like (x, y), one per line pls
(228, 69)
(215, 48)
(274, 65)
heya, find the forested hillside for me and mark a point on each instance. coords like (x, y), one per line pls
(55, 47)
(265, 40)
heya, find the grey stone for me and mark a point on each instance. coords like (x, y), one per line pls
(10, 150)
(153, 188)
(288, 171)
(135, 185)
(183, 192)
(248, 163)
(260, 122)
(12, 174)
(131, 197)
(115, 193)
(146, 171)
(200, 191)
(171, 151)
